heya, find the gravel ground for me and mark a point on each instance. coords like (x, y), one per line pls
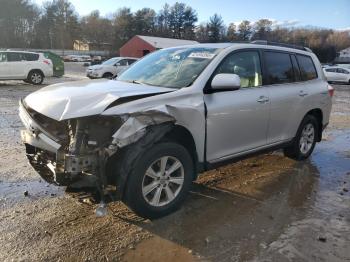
(267, 208)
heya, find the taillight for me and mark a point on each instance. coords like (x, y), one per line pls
(47, 62)
(330, 90)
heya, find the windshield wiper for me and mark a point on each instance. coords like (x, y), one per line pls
(137, 82)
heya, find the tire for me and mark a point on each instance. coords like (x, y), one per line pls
(35, 77)
(107, 75)
(148, 194)
(304, 142)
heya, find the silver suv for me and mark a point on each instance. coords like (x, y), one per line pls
(174, 114)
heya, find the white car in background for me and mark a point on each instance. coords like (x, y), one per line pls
(337, 74)
(346, 66)
(27, 66)
(110, 68)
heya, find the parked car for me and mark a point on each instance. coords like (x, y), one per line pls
(337, 74)
(176, 113)
(28, 66)
(110, 68)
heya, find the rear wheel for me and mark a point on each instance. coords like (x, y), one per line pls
(160, 180)
(305, 140)
(35, 77)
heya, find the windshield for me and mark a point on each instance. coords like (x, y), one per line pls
(175, 68)
(111, 61)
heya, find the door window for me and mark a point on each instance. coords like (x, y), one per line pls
(333, 70)
(131, 61)
(307, 67)
(3, 57)
(14, 57)
(279, 68)
(246, 65)
(123, 62)
(342, 71)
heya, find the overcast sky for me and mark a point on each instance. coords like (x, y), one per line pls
(333, 14)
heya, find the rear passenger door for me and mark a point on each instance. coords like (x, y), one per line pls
(343, 74)
(286, 92)
(121, 65)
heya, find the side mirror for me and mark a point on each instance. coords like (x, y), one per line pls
(226, 82)
(117, 64)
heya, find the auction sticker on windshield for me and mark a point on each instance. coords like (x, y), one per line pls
(201, 55)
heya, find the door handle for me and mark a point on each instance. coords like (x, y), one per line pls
(302, 93)
(263, 99)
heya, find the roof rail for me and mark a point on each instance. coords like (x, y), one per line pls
(265, 42)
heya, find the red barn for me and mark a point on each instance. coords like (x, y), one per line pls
(140, 45)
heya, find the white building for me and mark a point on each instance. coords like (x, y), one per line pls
(345, 52)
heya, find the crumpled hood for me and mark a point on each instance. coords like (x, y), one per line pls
(84, 98)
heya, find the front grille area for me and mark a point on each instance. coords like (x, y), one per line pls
(56, 130)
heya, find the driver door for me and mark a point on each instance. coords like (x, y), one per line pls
(121, 65)
(237, 121)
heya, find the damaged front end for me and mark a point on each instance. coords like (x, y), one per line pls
(76, 151)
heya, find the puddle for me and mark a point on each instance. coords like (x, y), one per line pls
(274, 219)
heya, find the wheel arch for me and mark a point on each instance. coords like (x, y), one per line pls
(183, 136)
(317, 113)
(35, 70)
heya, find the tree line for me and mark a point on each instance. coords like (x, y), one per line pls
(56, 24)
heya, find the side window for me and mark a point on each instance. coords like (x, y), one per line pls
(307, 67)
(297, 76)
(14, 57)
(279, 67)
(131, 61)
(30, 56)
(123, 62)
(330, 70)
(246, 64)
(342, 71)
(3, 57)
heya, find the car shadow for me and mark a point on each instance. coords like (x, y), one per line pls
(218, 223)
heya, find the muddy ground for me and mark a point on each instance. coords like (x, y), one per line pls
(267, 208)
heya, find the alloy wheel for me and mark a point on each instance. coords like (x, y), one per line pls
(36, 78)
(163, 181)
(307, 138)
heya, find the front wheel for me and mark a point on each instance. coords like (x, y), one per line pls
(107, 75)
(160, 180)
(305, 140)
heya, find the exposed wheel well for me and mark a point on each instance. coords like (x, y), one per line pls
(105, 74)
(317, 113)
(181, 135)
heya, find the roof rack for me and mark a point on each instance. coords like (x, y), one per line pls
(265, 42)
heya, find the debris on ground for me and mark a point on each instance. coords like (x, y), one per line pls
(322, 238)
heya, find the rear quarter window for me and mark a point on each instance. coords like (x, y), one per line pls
(307, 67)
(31, 57)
